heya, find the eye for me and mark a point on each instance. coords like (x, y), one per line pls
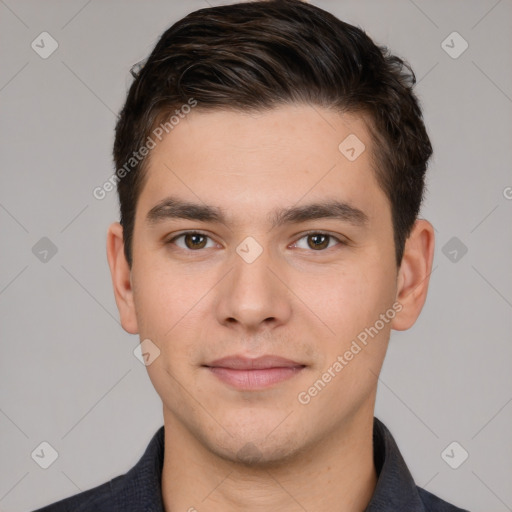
(192, 240)
(318, 241)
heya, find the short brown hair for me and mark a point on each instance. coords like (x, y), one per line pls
(258, 55)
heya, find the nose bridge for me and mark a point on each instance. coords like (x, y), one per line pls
(252, 295)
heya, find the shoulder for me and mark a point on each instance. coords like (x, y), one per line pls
(138, 489)
(432, 503)
(101, 498)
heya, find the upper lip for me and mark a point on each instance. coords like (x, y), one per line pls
(258, 363)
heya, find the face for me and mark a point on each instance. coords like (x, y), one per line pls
(254, 269)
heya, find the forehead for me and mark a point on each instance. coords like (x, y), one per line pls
(277, 157)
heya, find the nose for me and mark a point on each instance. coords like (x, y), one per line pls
(253, 296)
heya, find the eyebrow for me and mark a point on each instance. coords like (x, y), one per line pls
(174, 208)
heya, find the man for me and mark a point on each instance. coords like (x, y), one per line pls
(270, 168)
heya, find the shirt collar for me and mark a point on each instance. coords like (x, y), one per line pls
(141, 487)
(395, 488)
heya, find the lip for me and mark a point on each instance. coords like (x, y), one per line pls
(253, 363)
(254, 373)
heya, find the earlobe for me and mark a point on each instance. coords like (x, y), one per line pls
(414, 274)
(121, 278)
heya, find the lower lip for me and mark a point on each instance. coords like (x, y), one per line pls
(254, 379)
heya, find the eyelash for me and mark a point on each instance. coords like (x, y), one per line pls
(305, 235)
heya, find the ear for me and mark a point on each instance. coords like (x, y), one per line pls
(414, 274)
(121, 278)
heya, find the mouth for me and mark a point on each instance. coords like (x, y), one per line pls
(254, 373)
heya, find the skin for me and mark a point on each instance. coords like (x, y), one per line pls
(227, 449)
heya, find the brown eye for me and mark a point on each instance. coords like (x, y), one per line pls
(191, 241)
(195, 241)
(318, 241)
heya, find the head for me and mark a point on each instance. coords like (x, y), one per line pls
(285, 52)
(244, 112)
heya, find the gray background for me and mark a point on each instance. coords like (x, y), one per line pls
(67, 369)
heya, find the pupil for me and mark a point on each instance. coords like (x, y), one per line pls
(319, 241)
(195, 241)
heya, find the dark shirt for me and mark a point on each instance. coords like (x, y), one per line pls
(139, 490)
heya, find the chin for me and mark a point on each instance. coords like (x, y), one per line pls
(259, 446)
(260, 456)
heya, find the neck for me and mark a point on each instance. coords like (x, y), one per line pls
(336, 473)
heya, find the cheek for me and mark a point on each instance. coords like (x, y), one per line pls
(171, 308)
(160, 296)
(347, 300)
